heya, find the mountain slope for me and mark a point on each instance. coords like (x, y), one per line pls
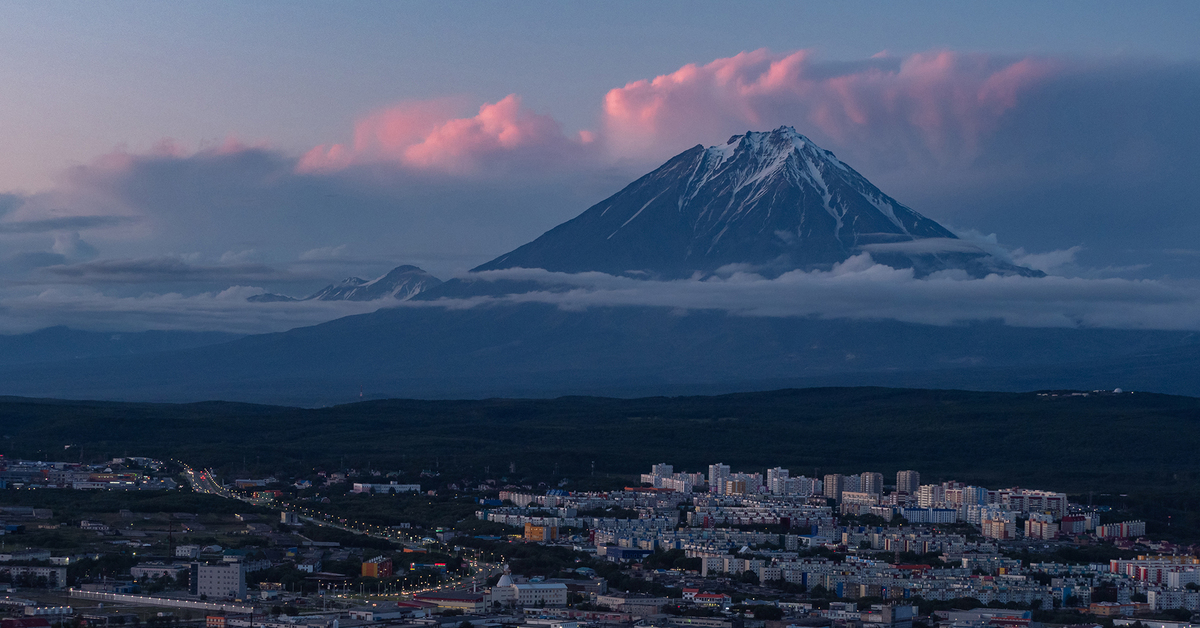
(538, 350)
(402, 283)
(769, 202)
(54, 344)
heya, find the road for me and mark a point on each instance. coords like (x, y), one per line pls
(203, 481)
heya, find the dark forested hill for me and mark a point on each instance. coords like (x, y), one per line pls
(1103, 442)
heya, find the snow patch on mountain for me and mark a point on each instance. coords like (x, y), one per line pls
(401, 283)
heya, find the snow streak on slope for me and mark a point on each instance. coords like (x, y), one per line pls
(402, 283)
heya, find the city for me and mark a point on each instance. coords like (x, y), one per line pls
(717, 548)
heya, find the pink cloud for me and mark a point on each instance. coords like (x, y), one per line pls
(427, 136)
(939, 105)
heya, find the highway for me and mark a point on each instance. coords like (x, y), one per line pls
(203, 481)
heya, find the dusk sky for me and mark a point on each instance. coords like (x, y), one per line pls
(165, 160)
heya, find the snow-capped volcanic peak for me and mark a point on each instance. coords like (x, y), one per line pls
(773, 200)
(751, 166)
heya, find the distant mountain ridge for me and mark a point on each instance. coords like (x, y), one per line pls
(401, 283)
(769, 202)
(537, 349)
(59, 343)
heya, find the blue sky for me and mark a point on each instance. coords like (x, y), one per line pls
(158, 153)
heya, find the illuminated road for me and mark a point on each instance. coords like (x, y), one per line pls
(479, 571)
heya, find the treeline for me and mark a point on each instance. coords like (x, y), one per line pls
(1102, 443)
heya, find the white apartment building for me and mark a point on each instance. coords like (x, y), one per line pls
(931, 496)
(929, 515)
(1173, 599)
(777, 481)
(223, 581)
(718, 474)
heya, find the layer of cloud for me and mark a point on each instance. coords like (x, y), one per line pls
(862, 289)
(857, 289)
(130, 215)
(937, 105)
(225, 310)
(64, 223)
(924, 246)
(165, 269)
(1050, 262)
(426, 136)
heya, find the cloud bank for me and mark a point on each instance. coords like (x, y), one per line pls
(862, 289)
(937, 105)
(227, 310)
(424, 136)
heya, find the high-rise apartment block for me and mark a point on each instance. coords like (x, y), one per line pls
(1041, 526)
(834, 485)
(777, 481)
(717, 476)
(998, 524)
(931, 496)
(871, 483)
(908, 482)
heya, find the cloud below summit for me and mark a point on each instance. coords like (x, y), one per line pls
(862, 289)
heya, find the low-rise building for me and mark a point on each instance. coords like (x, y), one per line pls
(378, 567)
(541, 533)
(55, 577)
(156, 570)
(223, 581)
(509, 593)
(632, 603)
(469, 602)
